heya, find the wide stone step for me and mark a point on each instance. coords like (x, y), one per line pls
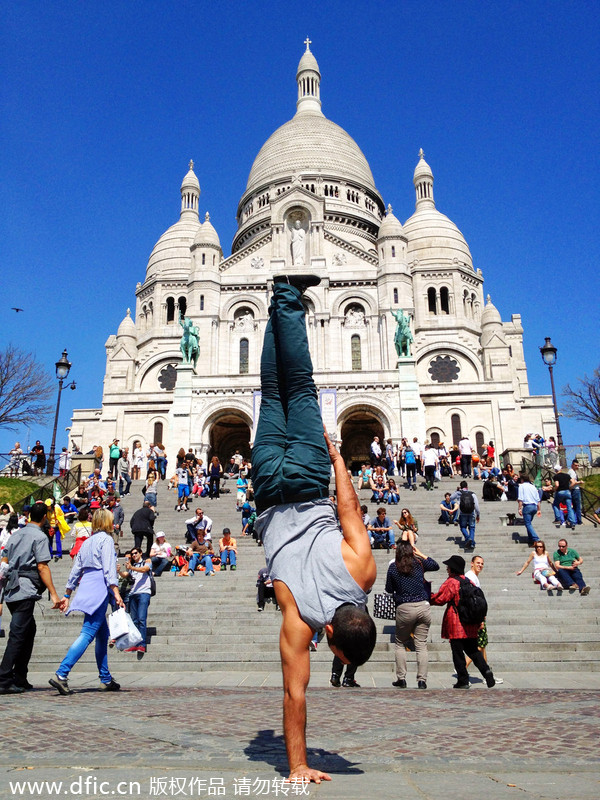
(199, 625)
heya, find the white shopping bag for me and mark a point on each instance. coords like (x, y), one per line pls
(131, 639)
(117, 623)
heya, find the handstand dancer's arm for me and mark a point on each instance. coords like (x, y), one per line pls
(294, 639)
(356, 547)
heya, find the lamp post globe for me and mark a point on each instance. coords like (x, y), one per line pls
(63, 366)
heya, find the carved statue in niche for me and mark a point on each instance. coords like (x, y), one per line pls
(355, 317)
(245, 321)
(298, 239)
(403, 337)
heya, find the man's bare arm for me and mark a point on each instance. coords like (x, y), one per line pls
(360, 563)
(294, 639)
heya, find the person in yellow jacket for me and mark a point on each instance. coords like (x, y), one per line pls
(58, 527)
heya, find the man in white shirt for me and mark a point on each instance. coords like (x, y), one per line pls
(183, 487)
(199, 522)
(430, 464)
(375, 452)
(465, 449)
(418, 451)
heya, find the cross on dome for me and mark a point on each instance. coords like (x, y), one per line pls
(207, 217)
(191, 164)
(389, 209)
(307, 42)
(421, 153)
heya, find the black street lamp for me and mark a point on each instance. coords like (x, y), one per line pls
(63, 366)
(548, 352)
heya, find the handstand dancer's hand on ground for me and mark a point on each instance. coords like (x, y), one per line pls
(304, 774)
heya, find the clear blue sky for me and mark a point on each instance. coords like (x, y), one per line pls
(102, 106)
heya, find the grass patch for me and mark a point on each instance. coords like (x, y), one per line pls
(14, 489)
(592, 484)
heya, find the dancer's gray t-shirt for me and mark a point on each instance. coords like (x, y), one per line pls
(303, 548)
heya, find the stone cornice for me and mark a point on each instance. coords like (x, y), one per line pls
(356, 251)
(235, 258)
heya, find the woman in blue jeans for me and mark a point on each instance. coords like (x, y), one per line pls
(94, 575)
(138, 570)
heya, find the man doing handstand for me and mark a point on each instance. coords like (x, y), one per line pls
(321, 570)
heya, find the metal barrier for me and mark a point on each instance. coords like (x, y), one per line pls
(55, 486)
(538, 472)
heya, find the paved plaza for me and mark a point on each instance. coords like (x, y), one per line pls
(201, 742)
(193, 721)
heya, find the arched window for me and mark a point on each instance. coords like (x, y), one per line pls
(435, 439)
(395, 297)
(244, 348)
(444, 300)
(201, 302)
(158, 433)
(432, 300)
(479, 442)
(356, 352)
(456, 428)
(203, 259)
(170, 309)
(182, 303)
(393, 252)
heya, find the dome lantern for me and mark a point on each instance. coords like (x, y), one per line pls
(423, 181)
(190, 193)
(308, 79)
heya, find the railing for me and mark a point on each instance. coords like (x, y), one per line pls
(57, 486)
(538, 470)
(26, 468)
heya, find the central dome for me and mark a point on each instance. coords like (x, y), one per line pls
(310, 144)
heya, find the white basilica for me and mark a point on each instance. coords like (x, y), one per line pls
(311, 205)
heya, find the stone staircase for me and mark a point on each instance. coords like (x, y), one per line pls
(200, 626)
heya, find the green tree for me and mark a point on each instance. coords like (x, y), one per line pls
(583, 402)
(25, 389)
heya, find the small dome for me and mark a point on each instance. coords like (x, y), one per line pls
(171, 254)
(207, 234)
(490, 314)
(391, 225)
(432, 235)
(127, 327)
(190, 181)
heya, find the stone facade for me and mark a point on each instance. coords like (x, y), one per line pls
(311, 205)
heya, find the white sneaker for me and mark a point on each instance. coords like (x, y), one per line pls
(498, 680)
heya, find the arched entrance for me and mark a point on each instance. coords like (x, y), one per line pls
(229, 433)
(358, 430)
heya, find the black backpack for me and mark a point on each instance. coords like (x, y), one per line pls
(472, 606)
(467, 503)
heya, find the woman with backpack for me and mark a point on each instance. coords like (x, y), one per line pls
(406, 581)
(465, 611)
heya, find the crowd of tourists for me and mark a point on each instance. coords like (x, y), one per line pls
(89, 526)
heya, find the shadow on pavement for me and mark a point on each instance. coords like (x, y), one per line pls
(270, 749)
